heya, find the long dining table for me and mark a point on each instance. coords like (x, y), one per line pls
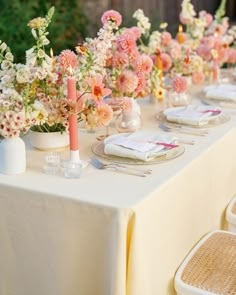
(109, 233)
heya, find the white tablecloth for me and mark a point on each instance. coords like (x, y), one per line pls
(109, 233)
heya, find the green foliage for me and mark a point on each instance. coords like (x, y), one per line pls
(68, 26)
(220, 13)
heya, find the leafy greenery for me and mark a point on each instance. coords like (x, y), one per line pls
(68, 27)
(220, 13)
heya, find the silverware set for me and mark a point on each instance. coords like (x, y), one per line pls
(176, 128)
(120, 168)
(183, 129)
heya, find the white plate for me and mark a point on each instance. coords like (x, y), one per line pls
(214, 120)
(165, 155)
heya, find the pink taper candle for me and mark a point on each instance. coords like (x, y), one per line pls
(73, 127)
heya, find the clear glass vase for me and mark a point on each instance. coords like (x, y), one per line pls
(178, 99)
(130, 120)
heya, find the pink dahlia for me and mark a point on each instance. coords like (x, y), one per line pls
(127, 82)
(112, 15)
(68, 59)
(127, 104)
(104, 114)
(143, 64)
(134, 31)
(179, 84)
(231, 56)
(166, 62)
(175, 49)
(204, 52)
(198, 78)
(166, 39)
(126, 42)
(120, 59)
(140, 90)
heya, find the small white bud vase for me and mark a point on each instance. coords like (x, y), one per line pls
(12, 156)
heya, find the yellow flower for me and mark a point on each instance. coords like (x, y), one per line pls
(158, 93)
(36, 23)
(163, 25)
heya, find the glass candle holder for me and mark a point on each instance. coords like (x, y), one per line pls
(72, 169)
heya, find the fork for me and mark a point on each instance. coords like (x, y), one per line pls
(120, 168)
(181, 130)
(187, 128)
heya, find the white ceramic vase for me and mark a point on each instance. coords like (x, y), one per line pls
(130, 120)
(12, 156)
(47, 141)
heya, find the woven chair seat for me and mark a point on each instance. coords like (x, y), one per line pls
(210, 268)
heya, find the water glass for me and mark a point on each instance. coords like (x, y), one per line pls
(52, 163)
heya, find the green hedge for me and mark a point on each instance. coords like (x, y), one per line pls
(68, 26)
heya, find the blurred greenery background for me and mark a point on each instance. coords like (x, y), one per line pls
(68, 26)
(74, 20)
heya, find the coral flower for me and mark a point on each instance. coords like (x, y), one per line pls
(126, 42)
(175, 49)
(143, 64)
(134, 31)
(198, 78)
(104, 113)
(120, 59)
(112, 15)
(166, 39)
(179, 84)
(140, 90)
(127, 104)
(231, 56)
(127, 82)
(68, 59)
(204, 52)
(166, 62)
(98, 90)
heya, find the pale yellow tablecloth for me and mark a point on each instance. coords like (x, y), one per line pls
(109, 233)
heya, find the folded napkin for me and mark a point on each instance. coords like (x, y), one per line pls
(221, 92)
(141, 145)
(196, 115)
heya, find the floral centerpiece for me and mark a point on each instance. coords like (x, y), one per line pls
(170, 59)
(35, 93)
(32, 91)
(16, 112)
(210, 36)
(127, 69)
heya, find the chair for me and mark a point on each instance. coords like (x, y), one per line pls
(210, 267)
(231, 215)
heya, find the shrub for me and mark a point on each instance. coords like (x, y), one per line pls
(68, 27)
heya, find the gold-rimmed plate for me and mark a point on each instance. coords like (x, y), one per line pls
(168, 154)
(211, 122)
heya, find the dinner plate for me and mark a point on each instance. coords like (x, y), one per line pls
(165, 155)
(226, 103)
(222, 97)
(211, 121)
